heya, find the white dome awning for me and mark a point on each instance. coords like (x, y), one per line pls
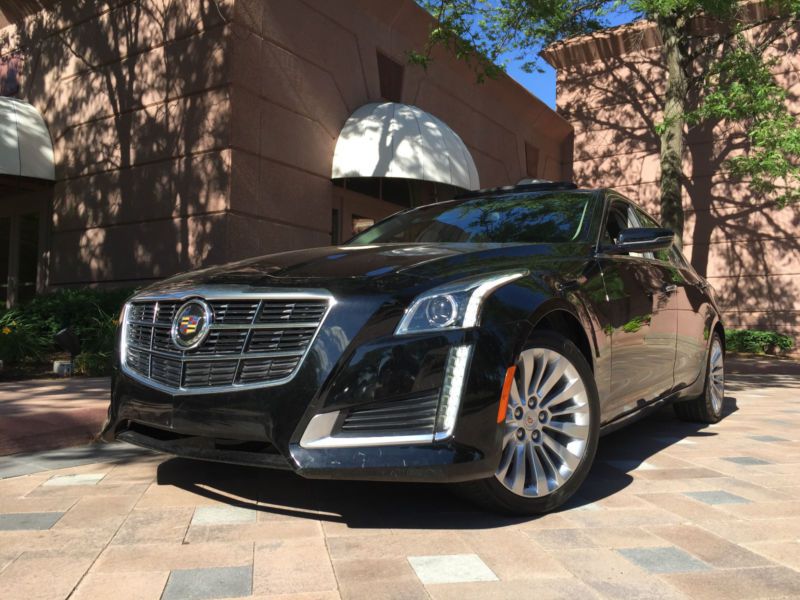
(25, 146)
(389, 139)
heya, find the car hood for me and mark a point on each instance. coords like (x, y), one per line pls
(379, 263)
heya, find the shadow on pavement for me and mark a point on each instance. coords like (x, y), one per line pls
(762, 365)
(364, 505)
(625, 450)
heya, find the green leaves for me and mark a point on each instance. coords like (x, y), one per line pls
(489, 33)
(418, 58)
(20, 339)
(739, 88)
(759, 342)
(735, 84)
(26, 333)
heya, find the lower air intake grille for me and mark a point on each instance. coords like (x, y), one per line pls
(411, 415)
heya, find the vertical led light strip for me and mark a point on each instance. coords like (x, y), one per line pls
(454, 379)
(123, 335)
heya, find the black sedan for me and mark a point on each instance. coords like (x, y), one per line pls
(486, 341)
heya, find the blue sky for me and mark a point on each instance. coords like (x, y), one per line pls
(543, 85)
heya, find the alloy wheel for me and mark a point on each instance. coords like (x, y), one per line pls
(716, 380)
(547, 424)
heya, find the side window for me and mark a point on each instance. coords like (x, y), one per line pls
(647, 221)
(621, 215)
(614, 224)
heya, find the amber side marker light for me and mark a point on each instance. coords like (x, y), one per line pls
(509, 381)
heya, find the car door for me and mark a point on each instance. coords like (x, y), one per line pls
(694, 313)
(695, 319)
(641, 317)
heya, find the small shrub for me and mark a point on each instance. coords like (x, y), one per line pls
(76, 308)
(20, 340)
(758, 342)
(89, 312)
(92, 364)
(98, 336)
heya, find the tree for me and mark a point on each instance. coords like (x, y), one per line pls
(713, 53)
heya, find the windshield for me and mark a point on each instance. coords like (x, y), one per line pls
(514, 219)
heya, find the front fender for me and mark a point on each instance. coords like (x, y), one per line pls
(526, 302)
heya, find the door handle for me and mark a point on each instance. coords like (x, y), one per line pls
(669, 288)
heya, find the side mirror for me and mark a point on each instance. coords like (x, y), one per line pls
(643, 239)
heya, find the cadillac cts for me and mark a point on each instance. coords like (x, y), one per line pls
(485, 341)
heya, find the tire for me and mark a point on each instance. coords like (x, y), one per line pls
(707, 408)
(543, 483)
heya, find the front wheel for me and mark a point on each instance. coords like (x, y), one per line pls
(550, 431)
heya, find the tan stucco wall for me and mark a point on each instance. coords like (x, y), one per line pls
(193, 132)
(609, 88)
(137, 104)
(287, 118)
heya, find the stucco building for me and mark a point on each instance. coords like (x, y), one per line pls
(189, 133)
(609, 89)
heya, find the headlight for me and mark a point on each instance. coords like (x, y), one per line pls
(454, 305)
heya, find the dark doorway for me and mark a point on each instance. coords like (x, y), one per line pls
(24, 207)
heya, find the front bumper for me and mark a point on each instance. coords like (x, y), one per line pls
(448, 462)
(264, 427)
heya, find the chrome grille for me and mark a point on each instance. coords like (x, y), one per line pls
(269, 340)
(251, 342)
(209, 374)
(241, 312)
(281, 312)
(257, 369)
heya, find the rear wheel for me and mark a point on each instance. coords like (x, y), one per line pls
(707, 408)
(550, 431)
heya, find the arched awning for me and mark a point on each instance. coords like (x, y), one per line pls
(389, 139)
(25, 146)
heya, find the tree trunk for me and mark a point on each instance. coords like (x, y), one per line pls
(672, 28)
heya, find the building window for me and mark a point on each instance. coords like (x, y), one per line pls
(532, 160)
(10, 67)
(390, 76)
(361, 224)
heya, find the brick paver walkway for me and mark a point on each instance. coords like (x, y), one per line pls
(51, 413)
(670, 511)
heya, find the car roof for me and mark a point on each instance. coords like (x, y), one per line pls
(537, 186)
